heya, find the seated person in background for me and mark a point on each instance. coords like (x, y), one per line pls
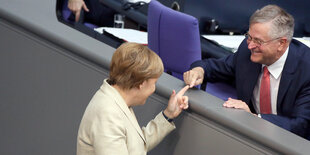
(95, 12)
(109, 125)
(270, 69)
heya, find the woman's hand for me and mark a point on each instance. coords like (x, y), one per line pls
(177, 103)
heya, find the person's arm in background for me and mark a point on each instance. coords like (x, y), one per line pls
(211, 70)
(76, 6)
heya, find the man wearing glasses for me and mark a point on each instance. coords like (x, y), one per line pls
(271, 72)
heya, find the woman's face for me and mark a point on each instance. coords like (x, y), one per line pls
(147, 88)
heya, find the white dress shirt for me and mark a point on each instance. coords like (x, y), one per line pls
(275, 71)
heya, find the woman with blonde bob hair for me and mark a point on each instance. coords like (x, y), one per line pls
(109, 125)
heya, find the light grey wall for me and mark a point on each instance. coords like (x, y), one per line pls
(44, 91)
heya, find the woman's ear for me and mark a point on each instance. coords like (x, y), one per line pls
(142, 84)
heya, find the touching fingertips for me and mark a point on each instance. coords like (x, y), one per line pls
(186, 106)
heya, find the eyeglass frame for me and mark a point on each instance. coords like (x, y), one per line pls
(258, 41)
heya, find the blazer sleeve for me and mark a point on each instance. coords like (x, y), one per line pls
(156, 130)
(298, 121)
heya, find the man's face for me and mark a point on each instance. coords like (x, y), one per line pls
(264, 49)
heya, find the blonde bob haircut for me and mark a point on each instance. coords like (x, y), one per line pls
(132, 64)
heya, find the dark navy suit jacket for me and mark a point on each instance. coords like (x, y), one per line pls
(293, 102)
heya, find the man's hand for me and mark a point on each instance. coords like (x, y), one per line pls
(237, 104)
(75, 6)
(177, 103)
(194, 76)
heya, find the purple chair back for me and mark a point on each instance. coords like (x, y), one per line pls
(153, 21)
(174, 36)
(221, 90)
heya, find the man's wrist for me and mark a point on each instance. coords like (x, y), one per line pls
(199, 69)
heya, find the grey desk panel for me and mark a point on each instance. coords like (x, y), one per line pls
(49, 72)
(43, 91)
(197, 135)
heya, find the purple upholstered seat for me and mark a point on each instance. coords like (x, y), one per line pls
(221, 90)
(175, 37)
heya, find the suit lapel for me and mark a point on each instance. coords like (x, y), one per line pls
(285, 82)
(109, 90)
(287, 74)
(252, 78)
(250, 73)
(130, 115)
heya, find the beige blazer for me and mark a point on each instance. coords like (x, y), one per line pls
(109, 127)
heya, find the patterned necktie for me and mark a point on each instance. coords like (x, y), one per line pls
(264, 98)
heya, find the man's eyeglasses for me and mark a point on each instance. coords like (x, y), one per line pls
(257, 41)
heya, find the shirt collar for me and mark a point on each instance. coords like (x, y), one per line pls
(276, 68)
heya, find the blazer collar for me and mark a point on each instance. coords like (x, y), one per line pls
(113, 93)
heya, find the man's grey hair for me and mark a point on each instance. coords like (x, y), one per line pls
(282, 23)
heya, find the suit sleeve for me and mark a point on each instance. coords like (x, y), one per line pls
(298, 121)
(217, 70)
(156, 130)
